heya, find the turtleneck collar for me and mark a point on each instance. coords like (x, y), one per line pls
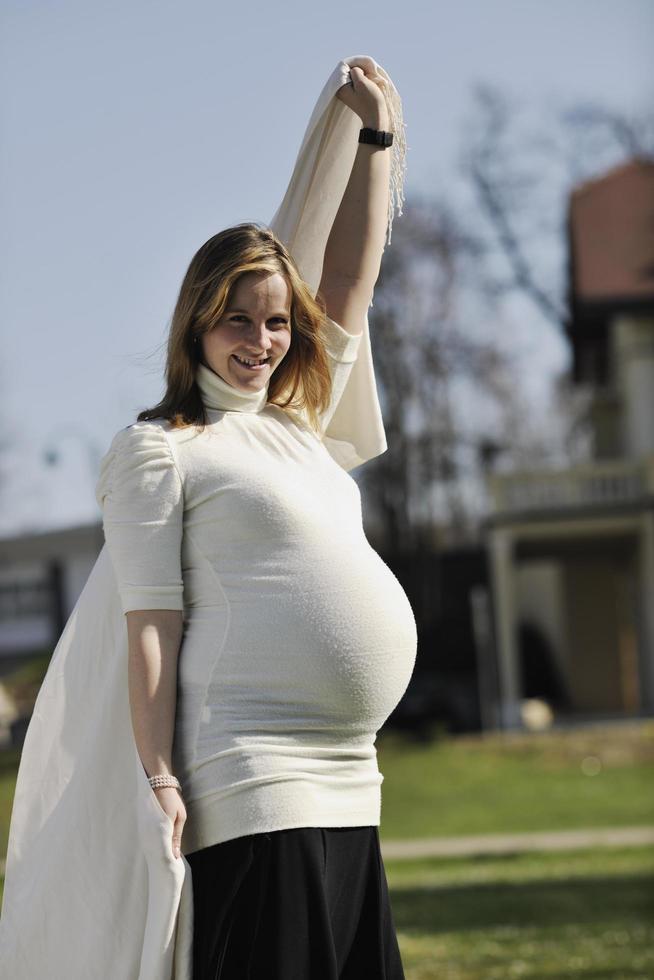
(217, 394)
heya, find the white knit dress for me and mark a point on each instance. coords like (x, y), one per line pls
(298, 639)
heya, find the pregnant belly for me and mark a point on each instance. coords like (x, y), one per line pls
(335, 646)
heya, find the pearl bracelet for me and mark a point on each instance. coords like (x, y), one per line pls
(156, 782)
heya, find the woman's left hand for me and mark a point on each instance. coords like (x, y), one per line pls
(364, 95)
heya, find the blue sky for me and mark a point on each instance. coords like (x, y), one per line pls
(133, 131)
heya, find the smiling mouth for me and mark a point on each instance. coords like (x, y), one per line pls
(251, 364)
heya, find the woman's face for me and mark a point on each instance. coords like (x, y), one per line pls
(256, 324)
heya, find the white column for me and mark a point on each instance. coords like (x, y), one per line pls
(506, 640)
(633, 351)
(646, 659)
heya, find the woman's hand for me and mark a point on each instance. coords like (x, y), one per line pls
(171, 802)
(364, 95)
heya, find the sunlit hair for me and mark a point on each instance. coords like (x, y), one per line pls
(300, 382)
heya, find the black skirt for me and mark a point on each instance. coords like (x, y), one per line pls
(301, 904)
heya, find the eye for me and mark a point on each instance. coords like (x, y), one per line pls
(275, 319)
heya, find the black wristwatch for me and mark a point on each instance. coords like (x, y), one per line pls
(378, 136)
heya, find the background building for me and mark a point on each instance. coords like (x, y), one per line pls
(572, 551)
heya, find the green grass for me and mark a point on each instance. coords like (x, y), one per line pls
(518, 782)
(9, 759)
(29, 675)
(494, 784)
(585, 914)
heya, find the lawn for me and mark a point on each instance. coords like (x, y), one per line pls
(568, 916)
(585, 914)
(591, 777)
(599, 776)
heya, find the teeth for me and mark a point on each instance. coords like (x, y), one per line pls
(244, 360)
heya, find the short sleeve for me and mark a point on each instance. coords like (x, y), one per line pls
(140, 493)
(353, 430)
(342, 349)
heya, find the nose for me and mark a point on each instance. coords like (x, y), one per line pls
(259, 337)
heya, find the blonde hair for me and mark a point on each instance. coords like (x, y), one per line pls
(302, 380)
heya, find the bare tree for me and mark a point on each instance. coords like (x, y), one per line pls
(523, 177)
(453, 397)
(428, 354)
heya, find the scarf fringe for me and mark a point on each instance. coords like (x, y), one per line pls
(398, 163)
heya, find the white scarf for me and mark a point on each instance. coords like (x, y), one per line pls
(92, 888)
(304, 221)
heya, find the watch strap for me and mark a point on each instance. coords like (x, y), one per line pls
(377, 136)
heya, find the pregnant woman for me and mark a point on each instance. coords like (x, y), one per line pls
(267, 641)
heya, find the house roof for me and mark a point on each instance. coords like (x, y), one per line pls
(611, 228)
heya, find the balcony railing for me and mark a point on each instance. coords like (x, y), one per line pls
(591, 484)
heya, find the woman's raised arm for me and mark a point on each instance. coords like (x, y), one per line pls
(356, 242)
